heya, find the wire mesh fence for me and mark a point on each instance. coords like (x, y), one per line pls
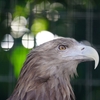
(28, 23)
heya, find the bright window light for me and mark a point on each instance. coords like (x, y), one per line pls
(18, 26)
(8, 42)
(28, 41)
(56, 6)
(38, 8)
(43, 37)
(53, 15)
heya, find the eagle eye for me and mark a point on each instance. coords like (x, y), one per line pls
(62, 47)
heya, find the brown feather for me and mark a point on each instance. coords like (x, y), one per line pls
(45, 75)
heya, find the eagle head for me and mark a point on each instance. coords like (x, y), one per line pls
(48, 68)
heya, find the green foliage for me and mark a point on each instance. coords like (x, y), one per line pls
(18, 57)
(39, 24)
(20, 11)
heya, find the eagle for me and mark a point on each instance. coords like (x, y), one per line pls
(48, 69)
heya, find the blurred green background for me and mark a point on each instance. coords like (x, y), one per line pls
(25, 24)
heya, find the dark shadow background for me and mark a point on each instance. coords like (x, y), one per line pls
(79, 19)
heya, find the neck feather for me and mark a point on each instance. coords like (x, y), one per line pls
(40, 82)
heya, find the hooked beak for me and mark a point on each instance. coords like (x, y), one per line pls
(89, 53)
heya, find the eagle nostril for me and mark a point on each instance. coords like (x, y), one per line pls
(83, 48)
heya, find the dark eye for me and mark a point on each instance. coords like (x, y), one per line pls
(62, 47)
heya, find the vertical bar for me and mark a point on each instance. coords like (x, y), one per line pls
(89, 25)
(11, 80)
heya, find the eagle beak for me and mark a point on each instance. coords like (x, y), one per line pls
(90, 54)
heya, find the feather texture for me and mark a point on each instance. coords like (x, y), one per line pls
(46, 72)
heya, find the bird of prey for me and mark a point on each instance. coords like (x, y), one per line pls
(48, 68)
